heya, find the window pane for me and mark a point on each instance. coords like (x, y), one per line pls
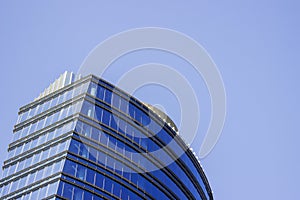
(108, 185)
(21, 165)
(46, 105)
(24, 116)
(63, 113)
(80, 172)
(54, 101)
(24, 131)
(70, 168)
(43, 191)
(47, 171)
(68, 191)
(78, 193)
(36, 158)
(49, 135)
(28, 162)
(99, 180)
(53, 150)
(39, 175)
(95, 134)
(34, 194)
(55, 117)
(83, 151)
(90, 176)
(100, 92)
(45, 154)
(93, 154)
(92, 89)
(108, 94)
(31, 177)
(22, 182)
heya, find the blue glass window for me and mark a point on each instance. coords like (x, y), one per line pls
(102, 157)
(108, 95)
(106, 117)
(47, 171)
(55, 117)
(93, 89)
(54, 101)
(95, 134)
(52, 189)
(34, 194)
(11, 153)
(40, 124)
(93, 154)
(22, 182)
(56, 167)
(28, 162)
(31, 113)
(39, 109)
(50, 135)
(86, 130)
(42, 139)
(68, 191)
(17, 135)
(36, 158)
(33, 127)
(43, 192)
(100, 92)
(48, 120)
(83, 151)
(63, 113)
(45, 154)
(21, 165)
(39, 175)
(24, 131)
(14, 185)
(90, 176)
(78, 193)
(98, 113)
(108, 185)
(31, 177)
(53, 150)
(46, 105)
(80, 173)
(24, 116)
(99, 180)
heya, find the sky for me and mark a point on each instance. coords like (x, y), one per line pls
(255, 45)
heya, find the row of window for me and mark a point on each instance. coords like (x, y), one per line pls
(137, 136)
(109, 142)
(118, 166)
(118, 102)
(191, 166)
(35, 158)
(113, 121)
(102, 158)
(73, 192)
(129, 178)
(67, 95)
(48, 120)
(31, 178)
(41, 139)
(133, 111)
(101, 136)
(41, 193)
(131, 131)
(96, 178)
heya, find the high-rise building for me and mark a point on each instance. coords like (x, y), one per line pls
(83, 138)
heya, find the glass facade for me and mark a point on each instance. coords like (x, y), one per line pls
(90, 140)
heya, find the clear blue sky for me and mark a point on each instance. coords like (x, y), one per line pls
(255, 44)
